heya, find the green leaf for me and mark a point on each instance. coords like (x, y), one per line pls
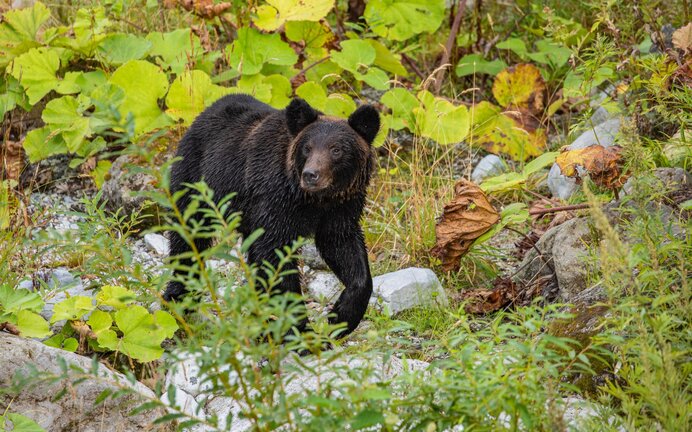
(11, 95)
(41, 143)
(441, 120)
(19, 31)
(89, 30)
(272, 15)
(386, 59)
(252, 49)
(36, 71)
(70, 344)
(115, 296)
(72, 309)
(14, 300)
(31, 324)
(402, 103)
(475, 64)
(402, 19)
(144, 84)
(100, 321)
(367, 418)
(314, 34)
(336, 104)
(90, 81)
(20, 423)
(175, 49)
(190, 94)
(375, 78)
(119, 48)
(142, 333)
(516, 45)
(354, 55)
(551, 54)
(64, 115)
(99, 173)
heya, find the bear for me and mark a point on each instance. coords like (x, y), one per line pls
(295, 173)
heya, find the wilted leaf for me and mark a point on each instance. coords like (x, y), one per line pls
(466, 218)
(603, 165)
(520, 86)
(486, 301)
(13, 159)
(499, 132)
(207, 9)
(272, 15)
(682, 38)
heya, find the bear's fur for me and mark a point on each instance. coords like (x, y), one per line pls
(295, 173)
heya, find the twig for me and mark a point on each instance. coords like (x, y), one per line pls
(413, 66)
(558, 209)
(449, 46)
(305, 69)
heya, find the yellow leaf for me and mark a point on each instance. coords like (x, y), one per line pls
(520, 86)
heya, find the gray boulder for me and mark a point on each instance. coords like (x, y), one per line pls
(75, 411)
(408, 288)
(489, 166)
(324, 286)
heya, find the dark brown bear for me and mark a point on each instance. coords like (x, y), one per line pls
(295, 173)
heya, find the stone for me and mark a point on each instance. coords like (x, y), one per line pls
(188, 405)
(312, 258)
(603, 134)
(75, 410)
(185, 375)
(156, 243)
(324, 287)
(61, 284)
(670, 179)
(120, 188)
(489, 166)
(408, 288)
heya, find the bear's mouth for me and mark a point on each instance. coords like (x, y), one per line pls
(314, 188)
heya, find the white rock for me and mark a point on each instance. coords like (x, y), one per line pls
(408, 288)
(186, 375)
(489, 166)
(312, 258)
(602, 134)
(324, 287)
(156, 243)
(188, 405)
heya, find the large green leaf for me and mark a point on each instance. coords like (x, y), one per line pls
(336, 104)
(313, 34)
(387, 60)
(144, 84)
(100, 321)
(272, 15)
(19, 31)
(42, 143)
(402, 103)
(36, 71)
(11, 95)
(402, 19)
(190, 93)
(115, 296)
(475, 64)
(355, 55)
(72, 308)
(119, 48)
(15, 300)
(175, 49)
(252, 49)
(31, 324)
(64, 115)
(142, 333)
(442, 121)
(20, 423)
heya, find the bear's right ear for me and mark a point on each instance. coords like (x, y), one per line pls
(298, 115)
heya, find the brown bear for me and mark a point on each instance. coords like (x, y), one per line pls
(295, 173)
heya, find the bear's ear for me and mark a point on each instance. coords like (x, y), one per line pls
(366, 121)
(298, 115)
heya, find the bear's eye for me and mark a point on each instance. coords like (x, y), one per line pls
(306, 150)
(336, 152)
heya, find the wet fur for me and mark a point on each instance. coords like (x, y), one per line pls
(244, 146)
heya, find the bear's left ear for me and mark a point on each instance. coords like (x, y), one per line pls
(298, 115)
(366, 121)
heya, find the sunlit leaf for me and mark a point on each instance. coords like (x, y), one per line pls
(72, 308)
(119, 48)
(402, 19)
(19, 30)
(40, 143)
(31, 324)
(441, 120)
(472, 64)
(36, 71)
(190, 94)
(115, 296)
(520, 86)
(274, 13)
(252, 49)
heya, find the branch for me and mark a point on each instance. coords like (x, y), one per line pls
(449, 46)
(558, 209)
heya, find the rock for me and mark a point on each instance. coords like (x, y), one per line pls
(156, 243)
(312, 257)
(489, 166)
(408, 288)
(324, 287)
(119, 192)
(670, 180)
(565, 249)
(603, 134)
(188, 405)
(61, 284)
(185, 375)
(75, 410)
(309, 379)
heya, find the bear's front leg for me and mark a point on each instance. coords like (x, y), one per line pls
(341, 243)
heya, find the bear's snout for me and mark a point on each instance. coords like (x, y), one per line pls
(310, 177)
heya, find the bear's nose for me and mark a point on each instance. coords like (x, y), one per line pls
(310, 177)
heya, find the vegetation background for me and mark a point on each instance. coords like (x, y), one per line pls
(86, 84)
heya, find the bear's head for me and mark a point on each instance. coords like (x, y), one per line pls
(329, 156)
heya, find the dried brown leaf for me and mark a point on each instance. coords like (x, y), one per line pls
(468, 216)
(602, 164)
(12, 159)
(682, 38)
